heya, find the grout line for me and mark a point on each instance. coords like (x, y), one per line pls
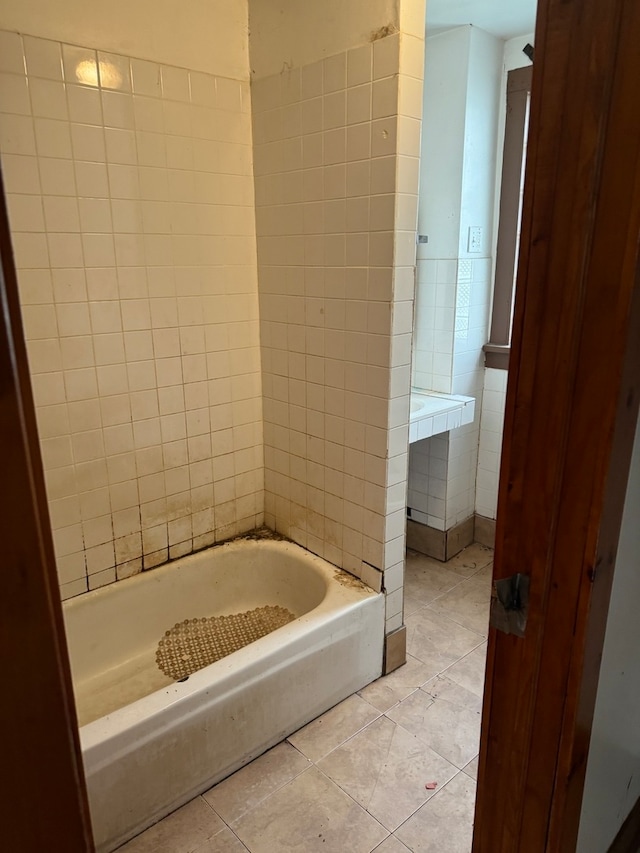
(382, 766)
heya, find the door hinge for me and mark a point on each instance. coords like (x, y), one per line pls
(510, 604)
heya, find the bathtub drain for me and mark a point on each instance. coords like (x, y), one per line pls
(195, 643)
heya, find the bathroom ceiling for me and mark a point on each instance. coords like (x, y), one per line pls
(503, 18)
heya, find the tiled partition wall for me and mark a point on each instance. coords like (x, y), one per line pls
(472, 306)
(434, 323)
(491, 428)
(336, 171)
(131, 204)
(451, 323)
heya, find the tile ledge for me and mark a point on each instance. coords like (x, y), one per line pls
(432, 413)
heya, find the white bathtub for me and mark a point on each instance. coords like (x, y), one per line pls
(150, 744)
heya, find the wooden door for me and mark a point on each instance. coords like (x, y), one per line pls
(572, 406)
(43, 798)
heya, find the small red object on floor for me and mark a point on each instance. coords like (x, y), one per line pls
(431, 786)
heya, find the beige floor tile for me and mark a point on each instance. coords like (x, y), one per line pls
(446, 717)
(445, 823)
(181, 832)
(467, 604)
(411, 605)
(470, 561)
(471, 768)
(391, 845)
(437, 641)
(223, 842)
(309, 814)
(485, 573)
(385, 769)
(249, 786)
(424, 580)
(391, 689)
(469, 671)
(332, 729)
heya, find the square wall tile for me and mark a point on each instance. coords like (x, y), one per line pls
(133, 272)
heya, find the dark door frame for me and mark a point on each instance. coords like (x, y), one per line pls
(572, 407)
(44, 802)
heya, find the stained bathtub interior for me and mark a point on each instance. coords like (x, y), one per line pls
(145, 611)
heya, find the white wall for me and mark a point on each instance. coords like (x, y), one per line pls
(288, 34)
(441, 169)
(612, 783)
(481, 127)
(457, 185)
(200, 34)
(442, 153)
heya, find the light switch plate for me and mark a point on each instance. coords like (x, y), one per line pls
(475, 239)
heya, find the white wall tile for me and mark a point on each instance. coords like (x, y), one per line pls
(491, 424)
(119, 329)
(338, 394)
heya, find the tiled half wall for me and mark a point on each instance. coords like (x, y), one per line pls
(131, 202)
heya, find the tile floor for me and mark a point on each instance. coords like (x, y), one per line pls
(353, 781)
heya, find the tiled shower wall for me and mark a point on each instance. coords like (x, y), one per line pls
(130, 195)
(336, 171)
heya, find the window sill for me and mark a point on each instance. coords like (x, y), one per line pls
(496, 356)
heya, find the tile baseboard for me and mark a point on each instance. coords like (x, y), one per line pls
(440, 544)
(444, 544)
(427, 540)
(485, 531)
(395, 650)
